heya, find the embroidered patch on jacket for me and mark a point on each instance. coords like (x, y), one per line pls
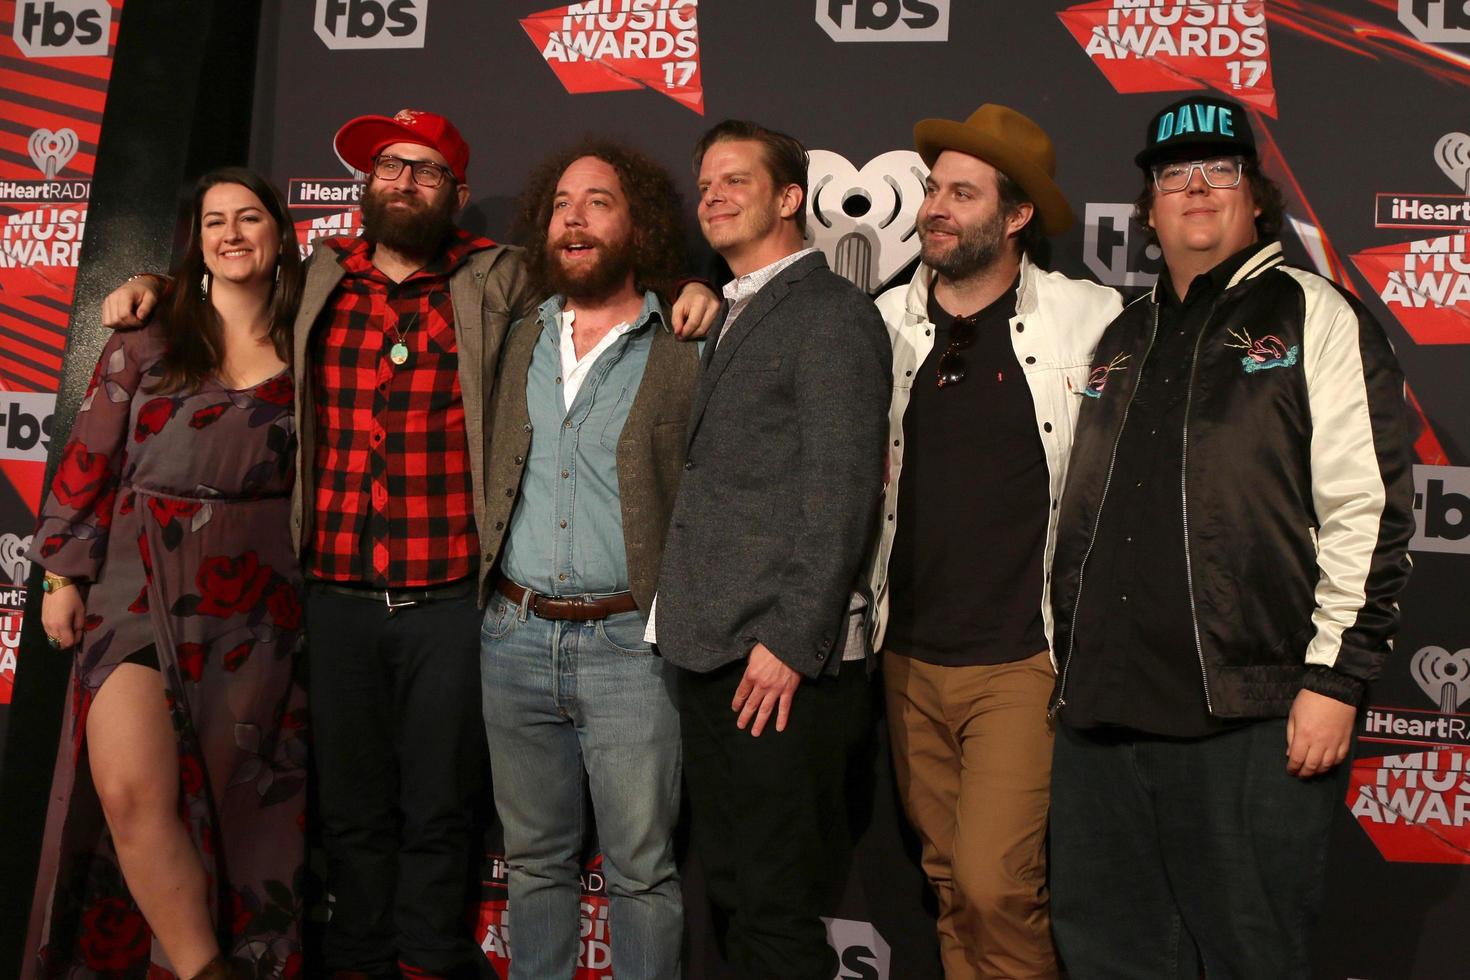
(1268, 352)
(1098, 380)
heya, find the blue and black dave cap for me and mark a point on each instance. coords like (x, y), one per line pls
(1198, 125)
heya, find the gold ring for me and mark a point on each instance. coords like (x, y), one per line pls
(55, 641)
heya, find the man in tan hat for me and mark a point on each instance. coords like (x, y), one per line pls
(990, 354)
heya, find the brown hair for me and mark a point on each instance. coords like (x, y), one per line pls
(653, 201)
(1265, 194)
(191, 328)
(1031, 239)
(786, 158)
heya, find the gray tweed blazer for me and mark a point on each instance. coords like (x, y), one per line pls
(784, 476)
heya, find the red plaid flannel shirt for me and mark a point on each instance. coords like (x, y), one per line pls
(394, 503)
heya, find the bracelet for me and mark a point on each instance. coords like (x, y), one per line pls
(55, 583)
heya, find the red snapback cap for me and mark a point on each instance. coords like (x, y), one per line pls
(360, 139)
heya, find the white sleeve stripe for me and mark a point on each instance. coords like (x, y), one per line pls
(1348, 490)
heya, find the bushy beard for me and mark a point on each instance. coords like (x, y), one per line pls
(418, 232)
(976, 248)
(590, 280)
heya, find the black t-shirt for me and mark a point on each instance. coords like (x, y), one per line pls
(965, 573)
(1135, 660)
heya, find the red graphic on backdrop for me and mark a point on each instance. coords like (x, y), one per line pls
(1415, 807)
(1369, 39)
(337, 224)
(55, 62)
(1179, 45)
(494, 932)
(1425, 284)
(9, 649)
(619, 45)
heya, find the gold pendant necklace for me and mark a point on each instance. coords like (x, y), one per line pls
(398, 353)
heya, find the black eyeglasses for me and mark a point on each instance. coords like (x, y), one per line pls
(951, 364)
(426, 173)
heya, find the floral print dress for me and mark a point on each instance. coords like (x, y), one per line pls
(176, 509)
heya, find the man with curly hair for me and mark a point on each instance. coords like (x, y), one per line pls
(590, 409)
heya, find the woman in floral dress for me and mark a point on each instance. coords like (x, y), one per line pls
(174, 843)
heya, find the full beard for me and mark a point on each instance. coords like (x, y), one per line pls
(417, 232)
(976, 248)
(590, 280)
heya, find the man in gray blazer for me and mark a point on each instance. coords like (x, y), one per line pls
(777, 508)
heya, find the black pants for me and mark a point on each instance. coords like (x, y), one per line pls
(1168, 855)
(768, 815)
(400, 752)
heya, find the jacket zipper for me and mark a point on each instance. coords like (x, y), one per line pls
(1199, 649)
(1061, 699)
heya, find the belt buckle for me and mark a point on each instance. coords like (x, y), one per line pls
(393, 607)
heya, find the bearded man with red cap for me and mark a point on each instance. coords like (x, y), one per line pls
(395, 345)
(395, 351)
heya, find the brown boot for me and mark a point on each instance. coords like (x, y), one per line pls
(221, 968)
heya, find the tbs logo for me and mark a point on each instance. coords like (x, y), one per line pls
(352, 25)
(884, 20)
(25, 425)
(1441, 509)
(862, 952)
(1114, 248)
(1437, 21)
(62, 28)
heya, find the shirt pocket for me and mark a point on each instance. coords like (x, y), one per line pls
(617, 417)
(761, 364)
(440, 329)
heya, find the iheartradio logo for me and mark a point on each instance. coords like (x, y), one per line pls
(52, 151)
(1443, 676)
(863, 219)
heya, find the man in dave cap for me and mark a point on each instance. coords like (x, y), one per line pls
(988, 350)
(1233, 538)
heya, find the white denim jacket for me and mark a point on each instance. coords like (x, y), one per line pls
(1055, 328)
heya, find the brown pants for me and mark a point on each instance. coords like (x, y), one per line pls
(972, 753)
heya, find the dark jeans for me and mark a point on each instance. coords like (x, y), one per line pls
(769, 818)
(1169, 854)
(400, 752)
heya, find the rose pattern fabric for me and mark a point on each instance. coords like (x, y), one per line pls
(174, 508)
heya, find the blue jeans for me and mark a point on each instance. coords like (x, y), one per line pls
(1168, 855)
(568, 705)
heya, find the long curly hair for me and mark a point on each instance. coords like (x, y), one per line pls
(659, 251)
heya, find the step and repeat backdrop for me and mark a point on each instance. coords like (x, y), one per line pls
(1360, 107)
(55, 60)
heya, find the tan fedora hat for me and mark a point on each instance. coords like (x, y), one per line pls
(1012, 144)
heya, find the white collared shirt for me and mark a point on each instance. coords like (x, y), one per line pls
(574, 370)
(740, 291)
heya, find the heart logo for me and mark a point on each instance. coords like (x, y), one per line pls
(1444, 676)
(52, 151)
(1452, 153)
(863, 220)
(13, 561)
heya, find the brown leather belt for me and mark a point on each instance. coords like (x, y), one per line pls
(573, 607)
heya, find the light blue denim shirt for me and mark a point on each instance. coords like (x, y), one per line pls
(566, 534)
